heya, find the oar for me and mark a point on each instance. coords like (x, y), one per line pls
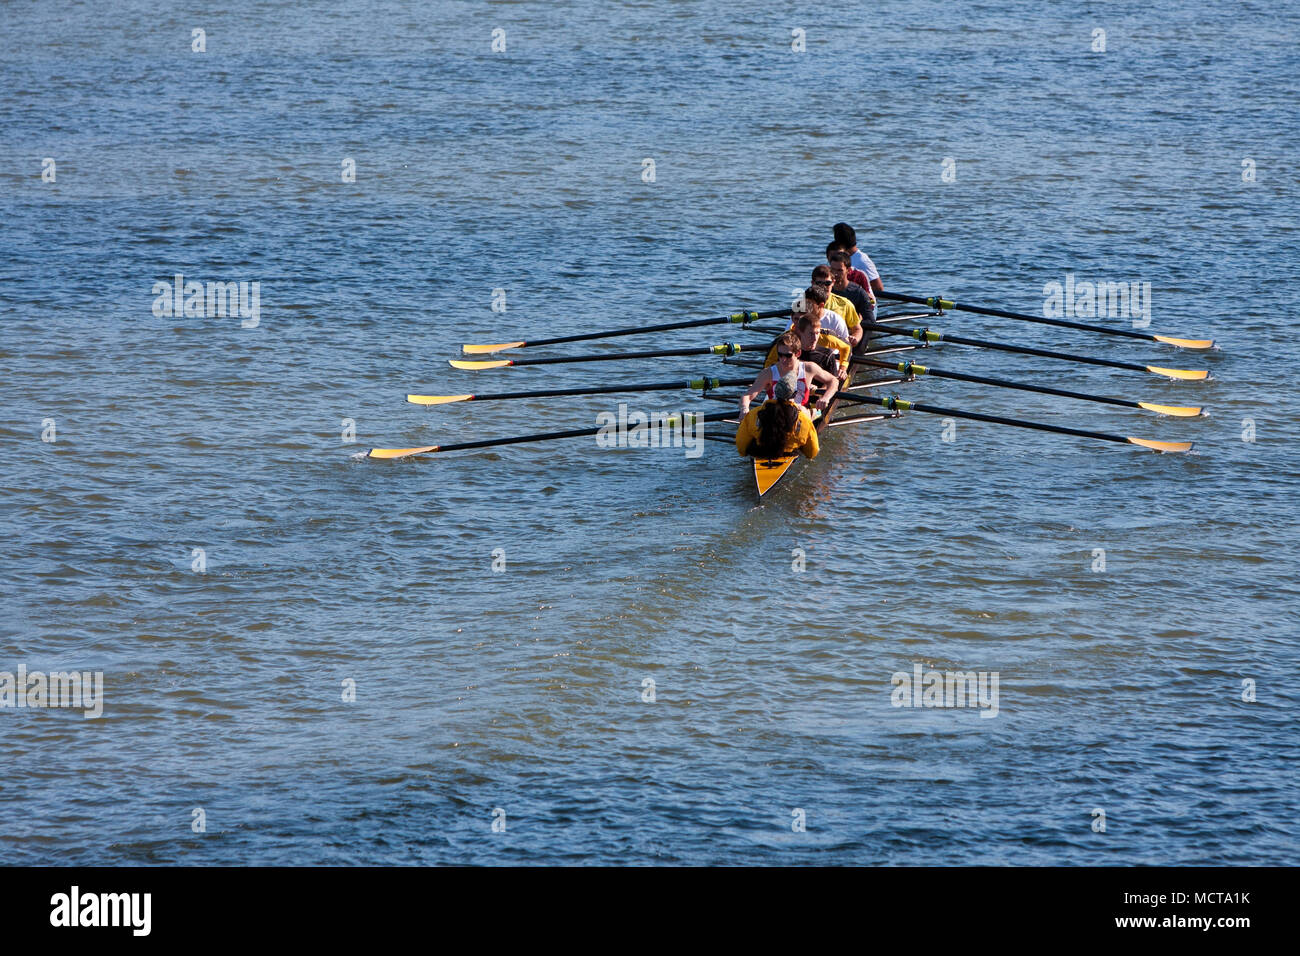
(897, 404)
(935, 302)
(926, 335)
(726, 348)
(738, 318)
(706, 384)
(688, 418)
(911, 368)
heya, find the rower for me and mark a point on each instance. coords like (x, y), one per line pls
(821, 348)
(847, 238)
(841, 317)
(855, 275)
(778, 428)
(792, 358)
(839, 264)
(781, 425)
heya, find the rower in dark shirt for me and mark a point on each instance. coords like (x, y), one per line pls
(839, 264)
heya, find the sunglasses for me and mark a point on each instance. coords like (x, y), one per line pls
(785, 354)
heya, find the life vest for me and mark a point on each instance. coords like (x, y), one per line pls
(800, 390)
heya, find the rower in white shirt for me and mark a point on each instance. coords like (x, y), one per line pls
(847, 238)
(832, 321)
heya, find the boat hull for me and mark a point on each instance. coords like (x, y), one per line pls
(768, 472)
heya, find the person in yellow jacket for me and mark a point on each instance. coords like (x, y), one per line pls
(818, 346)
(849, 324)
(782, 425)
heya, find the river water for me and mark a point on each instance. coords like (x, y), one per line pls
(309, 658)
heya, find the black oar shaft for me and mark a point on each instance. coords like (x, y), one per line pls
(919, 334)
(571, 433)
(898, 405)
(612, 389)
(907, 369)
(729, 349)
(665, 327)
(940, 302)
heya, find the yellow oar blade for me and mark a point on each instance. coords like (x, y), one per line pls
(1162, 445)
(1186, 343)
(1187, 375)
(1178, 411)
(399, 452)
(437, 399)
(489, 349)
(475, 366)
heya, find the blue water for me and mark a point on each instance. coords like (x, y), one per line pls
(522, 691)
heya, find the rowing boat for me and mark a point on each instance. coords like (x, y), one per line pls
(768, 472)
